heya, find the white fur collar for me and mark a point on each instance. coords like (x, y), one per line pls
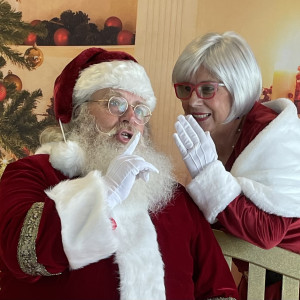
(67, 157)
(268, 170)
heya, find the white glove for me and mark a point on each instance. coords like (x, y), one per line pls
(196, 146)
(123, 171)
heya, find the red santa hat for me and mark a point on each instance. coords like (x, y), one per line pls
(94, 69)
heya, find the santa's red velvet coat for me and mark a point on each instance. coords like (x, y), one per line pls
(194, 267)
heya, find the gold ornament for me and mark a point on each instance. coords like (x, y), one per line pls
(34, 57)
(12, 78)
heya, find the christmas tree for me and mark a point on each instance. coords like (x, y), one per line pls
(20, 127)
(13, 31)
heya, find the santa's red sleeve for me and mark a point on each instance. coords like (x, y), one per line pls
(47, 221)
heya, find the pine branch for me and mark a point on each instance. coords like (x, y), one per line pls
(21, 104)
(11, 23)
(20, 126)
(12, 143)
(11, 37)
(15, 57)
(13, 31)
(6, 10)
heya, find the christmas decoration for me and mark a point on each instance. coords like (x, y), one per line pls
(2, 91)
(31, 38)
(26, 151)
(61, 37)
(125, 37)
(81, 32)
(10, 22)
(113, 22)
(12, 78)
(297, 91)
(34, 56)
(20, 126)
(266, 94)
(35, 22)
(6, 157)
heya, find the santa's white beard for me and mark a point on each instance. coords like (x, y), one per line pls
(101, 149)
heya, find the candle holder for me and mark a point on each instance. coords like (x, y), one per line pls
(283, 84)
(266, 95)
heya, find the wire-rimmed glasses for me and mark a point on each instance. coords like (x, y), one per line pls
(117, 106)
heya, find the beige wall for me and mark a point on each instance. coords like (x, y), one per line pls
(271, 27)
(163, 28)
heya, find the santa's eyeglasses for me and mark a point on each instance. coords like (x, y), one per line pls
(118, 106)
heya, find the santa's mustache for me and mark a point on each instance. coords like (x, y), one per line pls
(117, 128)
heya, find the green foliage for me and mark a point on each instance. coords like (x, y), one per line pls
(19, 125)
(13, 31)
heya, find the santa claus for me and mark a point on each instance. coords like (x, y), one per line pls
(96, 212)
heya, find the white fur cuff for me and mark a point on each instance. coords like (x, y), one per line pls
(213, 189)
(87, 233)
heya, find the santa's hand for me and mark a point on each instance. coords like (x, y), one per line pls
(123, 171)
(196, 146)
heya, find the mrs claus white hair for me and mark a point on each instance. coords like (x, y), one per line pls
(229, 59)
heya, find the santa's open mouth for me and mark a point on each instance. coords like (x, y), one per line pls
(126, 135)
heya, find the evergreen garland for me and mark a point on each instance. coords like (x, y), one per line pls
(82, 32)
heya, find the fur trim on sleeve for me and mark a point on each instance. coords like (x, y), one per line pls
(213, 189)
(87, 232)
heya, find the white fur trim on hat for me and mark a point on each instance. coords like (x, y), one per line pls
(117, 74)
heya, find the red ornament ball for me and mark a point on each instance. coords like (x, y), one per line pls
(31, 38)
(125, 37)
(113, 22)
(2, 91)
(61, 37)
(35, 22)
(26, 150)
(12, 78)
